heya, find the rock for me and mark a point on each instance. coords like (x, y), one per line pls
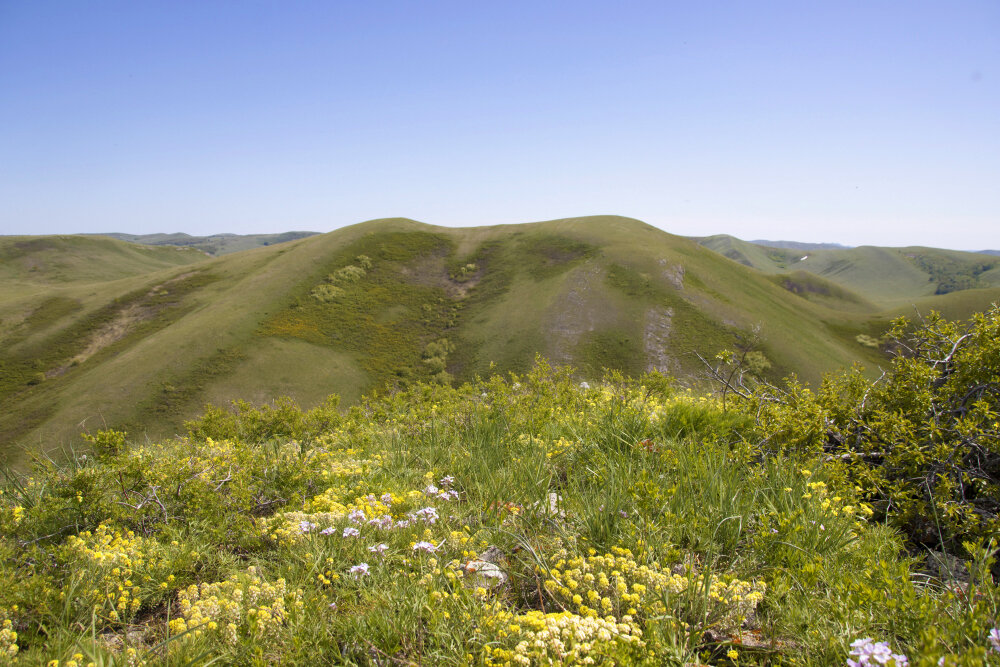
(482, 573)
(549, 506)
(492, 555)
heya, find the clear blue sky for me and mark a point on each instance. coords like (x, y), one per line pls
(858, 122)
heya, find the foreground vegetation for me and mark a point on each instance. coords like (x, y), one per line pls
(534, 520)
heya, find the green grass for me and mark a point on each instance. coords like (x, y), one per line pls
(626, 501)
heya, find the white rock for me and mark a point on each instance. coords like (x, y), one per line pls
(485, 574)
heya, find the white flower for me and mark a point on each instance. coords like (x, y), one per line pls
(359, 570)
(430, 490)
(351, 531)
(425, 546)
(428, 514)
(378, 548)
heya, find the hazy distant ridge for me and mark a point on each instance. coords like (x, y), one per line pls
(796, 245)
(214, 244)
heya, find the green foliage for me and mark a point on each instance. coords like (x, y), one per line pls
(106, 443)
(922, 440)
(247, 423)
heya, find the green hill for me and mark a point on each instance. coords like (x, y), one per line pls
(143, 343)
(889, 277)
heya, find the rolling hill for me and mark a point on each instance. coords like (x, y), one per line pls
(97, 332)
(891, 278)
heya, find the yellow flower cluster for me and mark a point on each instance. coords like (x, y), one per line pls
(562, 638)
(227, 610)
(615, 586)
(10, 516)
(331, 500)
(114, 569)
(8, 639)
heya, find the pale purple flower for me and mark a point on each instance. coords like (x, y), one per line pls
(995, 639)
(384, 522)
(425, 546)
(356, 516)
(328, 531)
(450, 494)
(403, 523)
(378, 548)
(351, 531)
(428, 514)
(306, 526)
(386, 498)
(359, 570)
(430, 490)
(446, 481)
(869, 652)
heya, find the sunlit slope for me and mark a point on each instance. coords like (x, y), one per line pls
(387, 302)
(888, 277)
(73, 259)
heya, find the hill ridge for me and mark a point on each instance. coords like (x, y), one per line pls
(387, 302)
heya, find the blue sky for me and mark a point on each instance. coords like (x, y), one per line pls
(857, 122)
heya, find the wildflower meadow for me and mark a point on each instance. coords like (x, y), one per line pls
(521, 520)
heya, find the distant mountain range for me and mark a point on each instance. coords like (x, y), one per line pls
(97, 331)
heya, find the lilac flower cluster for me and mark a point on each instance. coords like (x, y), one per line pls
(869, 652)
(995, 639)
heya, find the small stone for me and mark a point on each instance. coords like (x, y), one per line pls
(481, 573)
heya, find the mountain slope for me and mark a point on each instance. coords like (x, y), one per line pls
(387, 302)
(888, 277)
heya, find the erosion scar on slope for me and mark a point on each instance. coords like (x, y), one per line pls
(656, 340)
(117, 328)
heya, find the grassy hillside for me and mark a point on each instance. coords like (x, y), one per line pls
(888, 277)
(382, 304)
(216, 244)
